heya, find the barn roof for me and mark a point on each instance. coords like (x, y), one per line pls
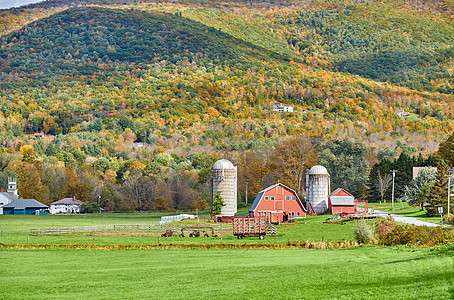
(340, 192)
(261, 193)
(67, 201)
(341, 197)
(25, 203)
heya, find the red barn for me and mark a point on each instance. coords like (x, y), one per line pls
(279, 203)
(341, 202)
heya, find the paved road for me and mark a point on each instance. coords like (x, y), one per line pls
(403, 219)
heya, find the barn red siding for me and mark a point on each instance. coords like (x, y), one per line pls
(343, 209)
(280, 204)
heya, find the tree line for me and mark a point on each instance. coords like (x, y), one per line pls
(158, 181)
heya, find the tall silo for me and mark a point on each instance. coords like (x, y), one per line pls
(317, 188)
(224, 179)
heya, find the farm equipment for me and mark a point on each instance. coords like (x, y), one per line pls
(249, 226)
(196, 231)
(168, 233)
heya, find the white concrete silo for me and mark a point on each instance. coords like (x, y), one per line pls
(224, 179)
(317, 189)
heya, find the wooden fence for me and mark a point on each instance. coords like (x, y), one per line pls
(129, 230)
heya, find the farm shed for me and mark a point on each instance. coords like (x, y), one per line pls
(65, 206)
(25, 207)
(278, 202)
(341, 202)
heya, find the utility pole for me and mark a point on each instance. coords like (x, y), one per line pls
(246, 192)
(449, 190)
(392, 197)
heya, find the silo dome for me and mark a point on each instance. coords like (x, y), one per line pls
(318, 170)
(224, 180)
(223, 164)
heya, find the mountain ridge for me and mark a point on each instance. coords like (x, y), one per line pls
(236, 78)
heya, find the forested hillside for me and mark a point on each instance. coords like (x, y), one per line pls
(144, 87)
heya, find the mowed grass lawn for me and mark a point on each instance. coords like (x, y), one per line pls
(16, 231)
(354, 273)
(404, 209)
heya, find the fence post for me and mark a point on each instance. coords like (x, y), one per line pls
(93, 241)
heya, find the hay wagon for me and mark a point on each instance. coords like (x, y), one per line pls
(249, 226)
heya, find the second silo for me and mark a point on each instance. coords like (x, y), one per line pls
(224, 179)
(317, 189)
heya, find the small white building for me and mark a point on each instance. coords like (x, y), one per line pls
(402, 113)
(66, 206)
(10, 195)
(282, 108)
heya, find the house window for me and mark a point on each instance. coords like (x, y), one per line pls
(298, 214)
(293, 198)
(292, 213)
(267, 198)
(287, 197)
(272, 197)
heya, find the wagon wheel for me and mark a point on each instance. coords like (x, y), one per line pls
(240, 236)
(206, 235)
(181, 234)
(262, 236)
(191, 235)
(196, 234)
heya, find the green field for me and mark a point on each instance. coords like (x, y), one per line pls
(360, 273)
(15, 230)
(368, 272)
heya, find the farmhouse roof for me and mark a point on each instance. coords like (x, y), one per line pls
(67, 201)
(25, 203)
(261, 193)
(341, 197)
(10, 196)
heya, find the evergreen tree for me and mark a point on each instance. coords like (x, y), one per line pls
(218, 203)
(446, 150)
(439, 195)
(404, 173)
(373, 193)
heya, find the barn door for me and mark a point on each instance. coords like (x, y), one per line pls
(278, 205)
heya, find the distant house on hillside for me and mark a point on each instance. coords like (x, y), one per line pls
(282, 108)
(39, 135)
(25, 207)
(278, 202)
(402, 113)
(66, 206)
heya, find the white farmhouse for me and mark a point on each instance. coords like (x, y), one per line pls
(10, 195)
(66, 206)
(282, 108)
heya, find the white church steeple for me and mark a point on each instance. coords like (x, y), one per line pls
(12, 186)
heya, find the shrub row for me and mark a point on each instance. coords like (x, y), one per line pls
(390, 233)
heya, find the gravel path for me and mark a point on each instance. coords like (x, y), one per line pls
(403, 219)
